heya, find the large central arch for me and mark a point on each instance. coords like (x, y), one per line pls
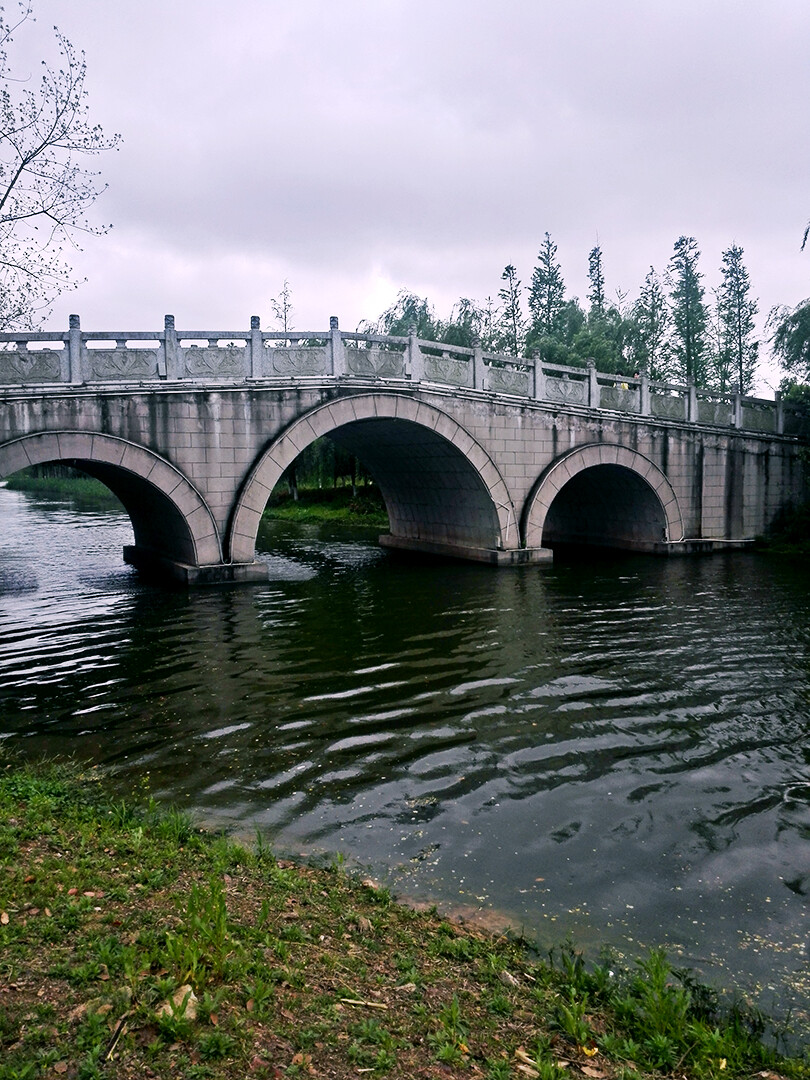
(441, 489)
(604, 495)
(171, 521)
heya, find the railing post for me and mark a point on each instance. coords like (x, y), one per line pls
(416, 361)
(256, 347)
(691, 402)
(644, 394)
(737, 414)
(479, 367)
(338, 353)
(593, 385)
(75, 349)
(538, 378)
(780, 413)
(170, 348)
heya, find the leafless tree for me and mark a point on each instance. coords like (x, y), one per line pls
(46, 191)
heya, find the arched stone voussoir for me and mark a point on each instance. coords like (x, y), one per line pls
(342, 412)
(109, 457)
(576, 461)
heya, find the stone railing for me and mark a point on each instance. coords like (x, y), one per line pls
(81, 358)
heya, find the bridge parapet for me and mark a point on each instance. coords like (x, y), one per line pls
(79, 358)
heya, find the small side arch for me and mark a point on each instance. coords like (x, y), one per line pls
(170, 519)
(604, 480)
(441, 488)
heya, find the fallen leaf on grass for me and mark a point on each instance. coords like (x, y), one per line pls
(4, 918)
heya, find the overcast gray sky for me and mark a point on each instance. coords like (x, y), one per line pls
(355, 147)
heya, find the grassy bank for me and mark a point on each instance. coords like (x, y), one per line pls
(339, 506)
(84, 491)
(134, 945)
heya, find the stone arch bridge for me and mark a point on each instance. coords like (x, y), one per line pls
(478, 455)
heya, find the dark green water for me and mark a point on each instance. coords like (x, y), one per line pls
(620, 750)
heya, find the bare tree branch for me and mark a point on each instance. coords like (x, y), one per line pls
(46, 192)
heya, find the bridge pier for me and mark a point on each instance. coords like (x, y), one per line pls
(488, 556)
(159, 568)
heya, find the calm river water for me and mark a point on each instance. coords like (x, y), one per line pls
(619, 751)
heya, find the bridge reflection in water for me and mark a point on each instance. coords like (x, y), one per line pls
(480, 456)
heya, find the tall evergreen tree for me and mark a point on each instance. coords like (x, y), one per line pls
(546, 293)
(650, 330)
(511, 323)
(596, 290)
(737, 346)
(689, 312)
(720, 374)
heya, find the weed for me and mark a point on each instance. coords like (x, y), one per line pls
(569, 1018)
(500, 1005)
(215, 1045)
(258, 996)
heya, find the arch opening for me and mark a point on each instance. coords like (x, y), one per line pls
(172, 526)
(603, 495)
(441, 491)
(607, 506)
(431, 492)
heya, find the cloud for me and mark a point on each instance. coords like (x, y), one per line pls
(423, 144)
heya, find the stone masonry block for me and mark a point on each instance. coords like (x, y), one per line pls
(343, 411)
(185, 499)
(200, 521)
(256, 496)
(446, 427)
(608, 454)
(137, 460)
(208, 553)
(283, 453)
(74, 444)
(13, 458)
(463, 441)
(110, 451)
(478, 458)
(425, 415)
(321, 422)
(163, 476)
